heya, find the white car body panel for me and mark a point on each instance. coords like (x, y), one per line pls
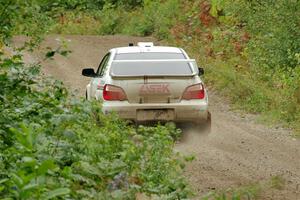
(147, 96)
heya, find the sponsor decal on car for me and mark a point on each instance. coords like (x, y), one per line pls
(154, 89)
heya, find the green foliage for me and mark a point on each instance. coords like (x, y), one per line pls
(86, 5)
(22, 17)
(52, 146)
(129, 4)
(155, 17)
(249, 193)
(252, 57)
(277, 182)
(112, 19)
(233, 196)
(78, 22)
(275, 31)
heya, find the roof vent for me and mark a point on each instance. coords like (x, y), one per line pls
(130, 44)
(145, 44)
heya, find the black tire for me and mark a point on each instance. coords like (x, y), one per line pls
(207, 125)
(204, 128)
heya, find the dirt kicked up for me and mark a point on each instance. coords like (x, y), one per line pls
(239, 152)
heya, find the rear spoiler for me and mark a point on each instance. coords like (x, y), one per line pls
(192, 64)
(158, 60)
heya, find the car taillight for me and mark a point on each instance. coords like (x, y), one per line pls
(194, 92)
(113, 93)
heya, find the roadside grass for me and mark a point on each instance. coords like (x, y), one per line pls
(277, 182)
(272, 98)
(250, 192)
(77, 23)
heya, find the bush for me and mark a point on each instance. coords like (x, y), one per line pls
(155, 18)
(112, 19)
(275, 31)
(77, 23)
(54, 146)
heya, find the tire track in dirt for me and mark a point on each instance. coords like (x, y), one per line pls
(238, 152)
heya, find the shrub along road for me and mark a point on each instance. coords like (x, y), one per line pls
(239, 152)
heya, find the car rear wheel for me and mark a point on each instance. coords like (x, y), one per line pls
(205, 127)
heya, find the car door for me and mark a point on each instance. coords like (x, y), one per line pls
(97, 83)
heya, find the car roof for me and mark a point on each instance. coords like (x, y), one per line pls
(152, 49)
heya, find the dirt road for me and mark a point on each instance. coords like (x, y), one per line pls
(239, 152)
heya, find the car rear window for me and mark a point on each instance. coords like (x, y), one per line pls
(149, 56)
(129, 68)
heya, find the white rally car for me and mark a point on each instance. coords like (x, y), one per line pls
(150, 83)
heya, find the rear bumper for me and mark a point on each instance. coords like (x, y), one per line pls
(185, 111)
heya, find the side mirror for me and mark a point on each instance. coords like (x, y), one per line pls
(201, 71)
(89, 72)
